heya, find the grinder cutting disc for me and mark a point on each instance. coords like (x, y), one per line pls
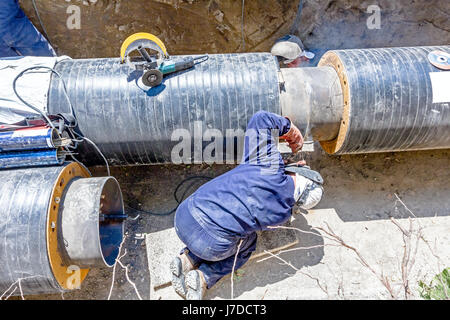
(439, 59)
(142, 40)
(152, 78)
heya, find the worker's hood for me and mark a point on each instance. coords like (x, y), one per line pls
(307, 193)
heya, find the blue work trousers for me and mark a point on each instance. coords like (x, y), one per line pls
(18, 36)
(213, 255)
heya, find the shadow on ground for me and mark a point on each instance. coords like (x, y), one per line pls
(257, 273)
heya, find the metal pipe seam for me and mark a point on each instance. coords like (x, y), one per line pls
(29, 203)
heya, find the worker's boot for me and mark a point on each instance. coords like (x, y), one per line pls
(178, 268)
(196, 285)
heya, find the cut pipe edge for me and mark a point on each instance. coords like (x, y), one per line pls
(34, 199)
(90, 229)
(312, 98)
(333, 145)
(62, 271)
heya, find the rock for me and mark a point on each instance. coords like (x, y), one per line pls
(219, 15)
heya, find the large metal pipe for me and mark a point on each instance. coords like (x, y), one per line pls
(356, 101)
(133, 124)
(37, 245)
(391, 102)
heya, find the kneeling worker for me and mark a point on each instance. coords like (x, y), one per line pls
(222, 217)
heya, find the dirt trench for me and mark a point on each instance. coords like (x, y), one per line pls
(223, 26)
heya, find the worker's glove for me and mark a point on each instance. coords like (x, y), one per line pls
(294, 138)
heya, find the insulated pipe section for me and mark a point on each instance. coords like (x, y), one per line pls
(35, 138)
(134, 124)
(392, 100)
(31, 246)
(355, 101)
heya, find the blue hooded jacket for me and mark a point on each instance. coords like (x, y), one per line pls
(254, 195)
(18, 36)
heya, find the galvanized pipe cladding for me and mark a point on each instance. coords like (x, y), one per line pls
(355, 101)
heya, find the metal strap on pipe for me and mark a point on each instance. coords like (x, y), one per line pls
(132, 124)
(389, 100)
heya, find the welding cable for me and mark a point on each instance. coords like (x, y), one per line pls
(70, 127)
(35, 108)
(50, 123)
(47, 119)
(178, 200)
(40, 21)
(82, 138)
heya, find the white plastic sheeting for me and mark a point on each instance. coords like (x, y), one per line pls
(32, 86)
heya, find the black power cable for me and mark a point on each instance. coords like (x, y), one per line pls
(40, 21)
(178, 200)
(74, 133)
(35, 108)
(14, 85)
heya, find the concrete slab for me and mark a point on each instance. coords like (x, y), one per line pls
(335, 272)
(321, 270)
(163, 245)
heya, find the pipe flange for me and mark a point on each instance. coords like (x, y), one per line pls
(62, 272)
(331, 59)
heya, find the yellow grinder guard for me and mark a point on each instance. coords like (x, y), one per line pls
(144, 39)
